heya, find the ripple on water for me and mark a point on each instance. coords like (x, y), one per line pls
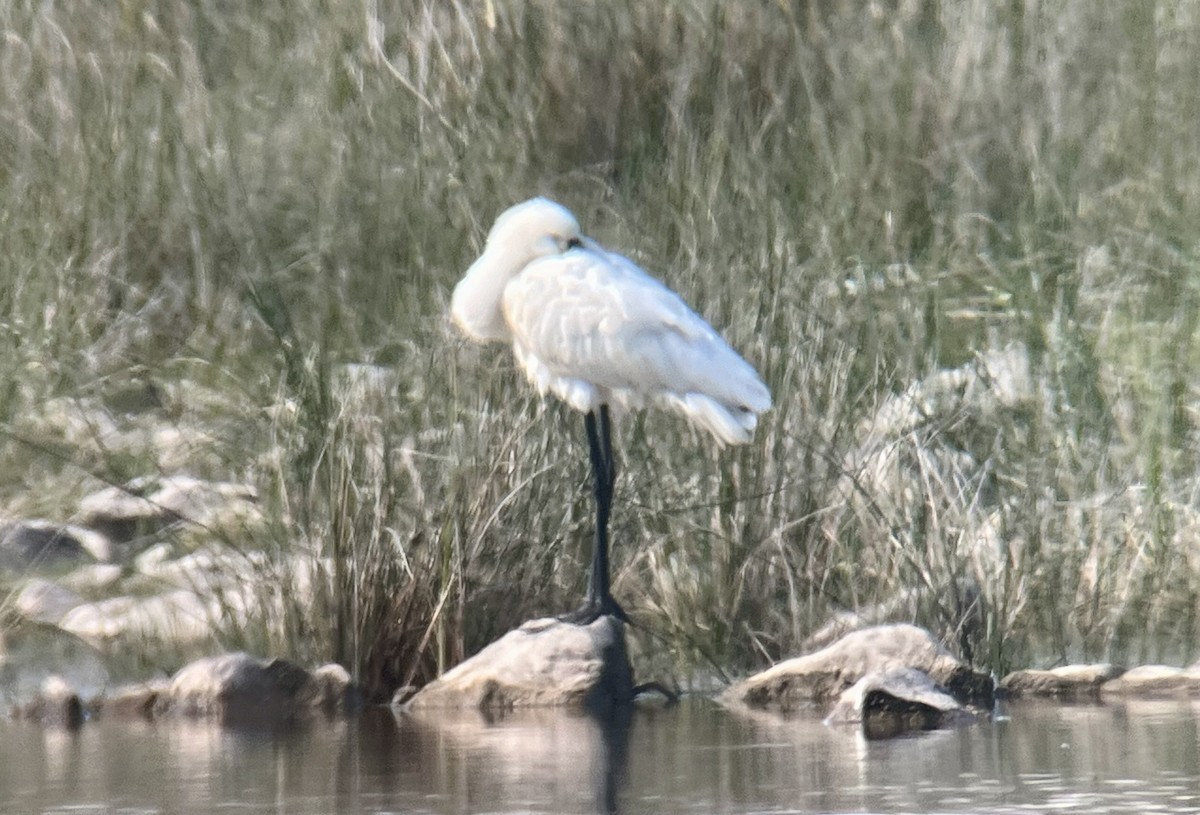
(696, 758)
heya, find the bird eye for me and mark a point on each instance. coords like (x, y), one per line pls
(574, 243)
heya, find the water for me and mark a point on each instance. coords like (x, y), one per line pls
(695, 758)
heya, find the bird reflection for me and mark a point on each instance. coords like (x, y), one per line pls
(613, 763)
(575, 760)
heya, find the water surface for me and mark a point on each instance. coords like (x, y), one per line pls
(695, 758)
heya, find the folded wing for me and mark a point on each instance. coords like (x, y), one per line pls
(592, 327)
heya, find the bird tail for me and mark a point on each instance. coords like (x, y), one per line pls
(728, 426)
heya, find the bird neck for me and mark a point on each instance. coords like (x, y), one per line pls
(476, 302)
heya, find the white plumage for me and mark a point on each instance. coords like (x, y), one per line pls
(595, 330)
(592, 328)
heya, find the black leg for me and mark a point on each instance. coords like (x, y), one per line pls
(606, 448)
(599, 598)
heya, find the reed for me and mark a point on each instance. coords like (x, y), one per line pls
(958, 239)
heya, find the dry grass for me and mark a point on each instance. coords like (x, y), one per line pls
(874, 200)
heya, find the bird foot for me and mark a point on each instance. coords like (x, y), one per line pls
(593, 610)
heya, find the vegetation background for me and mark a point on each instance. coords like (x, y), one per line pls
(958, 238)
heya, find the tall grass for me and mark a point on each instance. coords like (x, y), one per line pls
(958, 239)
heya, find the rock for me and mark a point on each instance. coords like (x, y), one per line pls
(94, 577)
(822, 676)
(1068, 681)
(45, 601)
(929, 452)
(903, 605)
(181, 616)
(81, 424)
(1155, 681)
(897, 700)
(190, 599)
(136, 701)
(545, 662)
(240, 689)
(152, 559)
(207, 568)
(148, 504)
(126, 513)
(997, 379)
(839, 624)
(30, 652)
(55, 704)
(202, 501)
(170, 425)
(959, 606)
(40, 544)
(335, 691)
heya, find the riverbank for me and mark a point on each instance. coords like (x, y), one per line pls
(959, 243)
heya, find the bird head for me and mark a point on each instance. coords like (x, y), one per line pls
(535, 228)
(523, 233)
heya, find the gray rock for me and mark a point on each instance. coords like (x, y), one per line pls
(996, 379)
(822, 676)
(897, 700)
(545, 662)
(40, 544)
(180, 616)
(45, 601)
(135, 701)
(334, 691)
(1154, 682)
(240, 689)
(207, 568)
(81, 424)
(126, 422)
(907, 603)
(192, 598)
(1069, 681)
(30, 652)
(92, 578)
(148, 504)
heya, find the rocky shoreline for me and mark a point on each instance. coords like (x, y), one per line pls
(886, 679)
(94, 586)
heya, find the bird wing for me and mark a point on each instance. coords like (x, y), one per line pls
(594, 318)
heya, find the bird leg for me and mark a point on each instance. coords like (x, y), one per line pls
(604, 475)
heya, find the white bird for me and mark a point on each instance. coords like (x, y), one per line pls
(595, 330)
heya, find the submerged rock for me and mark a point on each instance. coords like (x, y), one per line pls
(1068, 681)
(55, 703)
(822, 676)
(334, 691)
(545, 662)
(238, 688)
(897, 700)
(1155, 681)
(136, 701)
(234, 689)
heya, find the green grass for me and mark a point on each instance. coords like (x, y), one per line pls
(232, 203)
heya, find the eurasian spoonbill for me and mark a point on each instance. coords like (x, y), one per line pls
(595, 330)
